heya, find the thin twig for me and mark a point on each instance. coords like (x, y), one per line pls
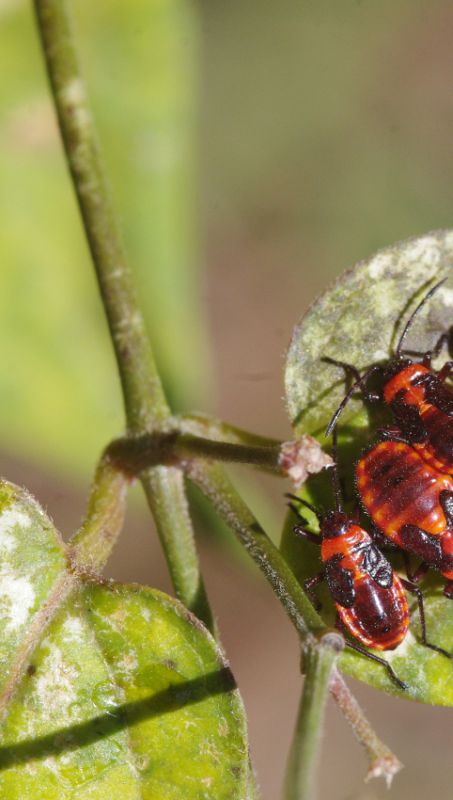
(175, 448)
(214, 483)
(213, 428)
(301, 773)
(145, 403)
(381, 761)
(296, 459)
(92, 544)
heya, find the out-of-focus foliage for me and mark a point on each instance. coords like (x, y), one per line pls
(328, 127)
(313, 152)
(59, 394)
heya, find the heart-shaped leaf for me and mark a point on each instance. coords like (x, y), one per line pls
(358, 320)
(107, 691)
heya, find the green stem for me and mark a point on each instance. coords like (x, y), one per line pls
(319, 660)
(92, 544)
(133, 455)
(188, 446)
(145, 403)
(213, 482)
(212, 428)
(142, 390)
(381, 761)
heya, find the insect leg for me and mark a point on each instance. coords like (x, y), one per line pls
(419, 573)
(301, 501)
(304, 533)
(309, 586)
(448, 590)
(392, 434)
(359, 380)
(382, 541)
(446, 371)
(373, 657)
(443, 339)
(422, 544)
(421, 610)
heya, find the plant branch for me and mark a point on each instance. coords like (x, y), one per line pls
(92, 544)
(296, 459)
(212, 428)
(133, 455)
(319, 660)
(213, 482)
(142, 390)
(144, 399)
(381, 761)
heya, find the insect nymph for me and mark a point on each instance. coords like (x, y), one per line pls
(369, 596)
(419, 398)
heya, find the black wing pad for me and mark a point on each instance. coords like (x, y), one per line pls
(381, 539)
(439, 395)
(446, 501)
(408, 419)
(422, 544)
(340, 582)
(377, 566)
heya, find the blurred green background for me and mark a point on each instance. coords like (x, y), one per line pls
(255, 150)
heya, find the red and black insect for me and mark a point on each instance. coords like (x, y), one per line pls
(410, 503)
(369, 596)
(419, 398)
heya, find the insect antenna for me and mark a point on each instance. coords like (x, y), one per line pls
(336, 483)
(358, 384)
(304, 503)
(414, 314)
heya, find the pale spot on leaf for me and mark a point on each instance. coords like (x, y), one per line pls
(17, 597)
(9, 519)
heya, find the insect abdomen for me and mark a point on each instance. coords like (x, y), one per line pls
(379, 617)
(397, 487)
(368, 596)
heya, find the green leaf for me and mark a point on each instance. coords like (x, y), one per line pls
(124, 694)
(358, 320)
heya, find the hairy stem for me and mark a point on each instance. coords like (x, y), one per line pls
(92, 544)
(213, 482)
(319, 660)
(144, 399)
(381, 761)
(132, 455)
(142, 390)
(212, 428)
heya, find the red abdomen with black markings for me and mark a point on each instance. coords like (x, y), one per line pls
(422, 405)
(368, 595)
(409, 501)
